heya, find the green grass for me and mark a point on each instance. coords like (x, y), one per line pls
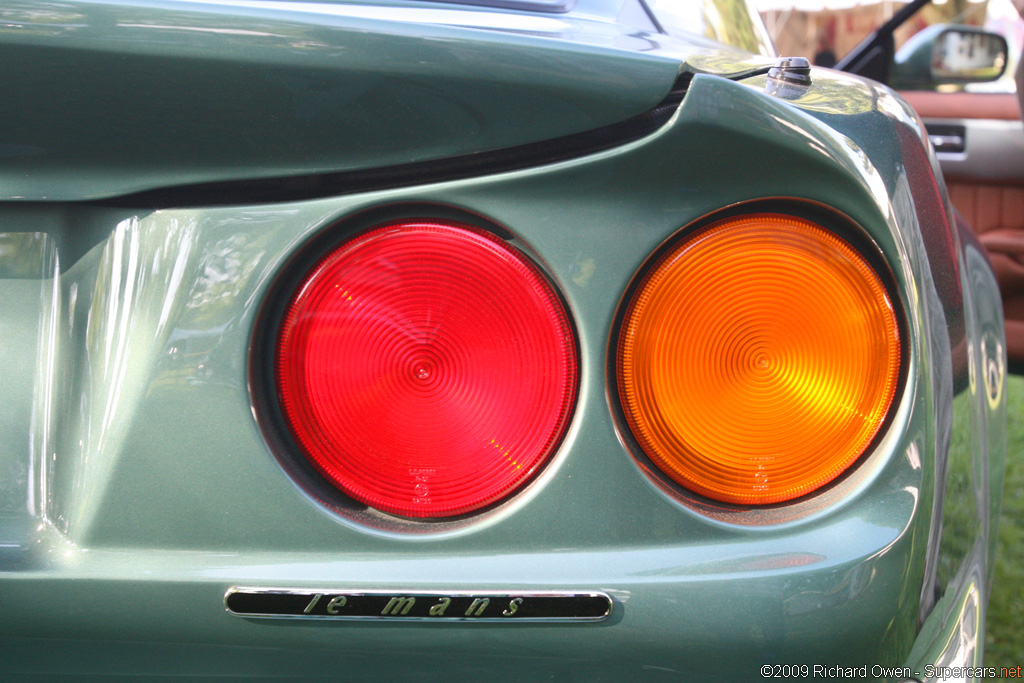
(1004, 642)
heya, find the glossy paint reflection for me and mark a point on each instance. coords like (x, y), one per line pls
(28, 365)
(152, 307)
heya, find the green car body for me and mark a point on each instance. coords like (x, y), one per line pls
(162, 162)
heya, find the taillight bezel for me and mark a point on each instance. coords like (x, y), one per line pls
(766, 513)
(263, 383)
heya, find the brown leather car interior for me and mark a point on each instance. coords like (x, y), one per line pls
(963, 105)
(996, 213)
(993, 207)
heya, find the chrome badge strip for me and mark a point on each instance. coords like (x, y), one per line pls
(286, 603)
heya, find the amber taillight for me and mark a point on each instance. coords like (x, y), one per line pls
(427, 369)
(758, 358)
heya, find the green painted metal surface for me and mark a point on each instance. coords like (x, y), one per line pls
(169, 93)
(157, 491)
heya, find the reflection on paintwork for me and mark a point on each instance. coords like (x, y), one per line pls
(841, 149)
(914, 456)
(152, 289)
(972, 364)
(872, 176)
(149, 310)
(583, 270)
(992, 354)
(138, 278)
(732, 22)
(28, 268)
(29, 310)
(831, 96)
(888, 102)
(726, 64)
(39, 19)
(201, 29)
(518, 21)
(961, 510)
(930, 309)
(838, 97)
(959, 638)
(992, 365)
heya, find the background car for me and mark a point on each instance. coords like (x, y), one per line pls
(977, 134)
(410, 340)
(975, 126)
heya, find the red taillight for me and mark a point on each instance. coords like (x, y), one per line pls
(426, 369)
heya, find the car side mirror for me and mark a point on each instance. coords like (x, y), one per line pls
(947, 54)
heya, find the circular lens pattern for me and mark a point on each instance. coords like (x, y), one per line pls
(758, 359)
(426, 369)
